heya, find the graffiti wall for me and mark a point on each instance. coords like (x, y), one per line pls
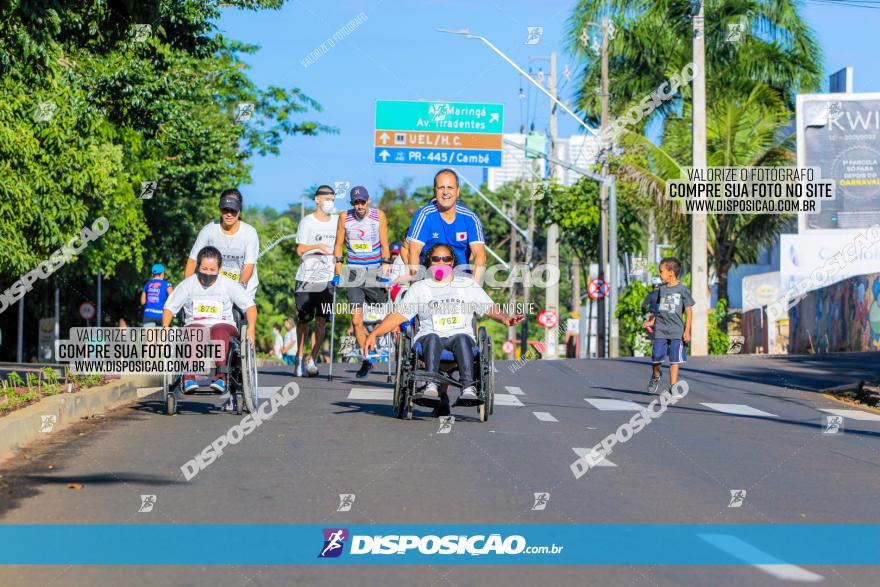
(842, 317)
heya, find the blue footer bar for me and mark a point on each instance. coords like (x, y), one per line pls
(529, 544)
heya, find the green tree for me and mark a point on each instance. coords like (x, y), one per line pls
(740, 132)
(124, 110)
(653, 41)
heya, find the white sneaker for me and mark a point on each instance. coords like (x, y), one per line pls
(431, 390)
(469, 392)
(298, 365)
(311, 368)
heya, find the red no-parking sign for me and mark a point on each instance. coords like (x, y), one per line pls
(548, 318)
(508, 347)
(597, 289)
(87, 310)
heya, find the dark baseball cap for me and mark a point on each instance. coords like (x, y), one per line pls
(230, 203)
(324, 190)
(358, 194)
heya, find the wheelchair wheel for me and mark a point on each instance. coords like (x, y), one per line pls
(401, 383)
(248, 373)
(170, 385)
(487, 375)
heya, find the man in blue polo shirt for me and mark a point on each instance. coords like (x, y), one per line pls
(154, 296)
(444, 220)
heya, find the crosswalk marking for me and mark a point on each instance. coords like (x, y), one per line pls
(365, 393)
(614, 405)
(545, 417)
(514, 390)
(503, 399)
(739, 410)
(854, 414)
(368, 394)
(593, 455)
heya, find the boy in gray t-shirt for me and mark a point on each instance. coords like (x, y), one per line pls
(671, 332)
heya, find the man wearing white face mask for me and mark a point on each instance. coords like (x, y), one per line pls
(315, 239)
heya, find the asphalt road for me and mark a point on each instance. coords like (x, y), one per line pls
(747, 423)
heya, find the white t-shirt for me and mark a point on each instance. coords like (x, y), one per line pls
(445, 309)
(238, 250)
(210, 305)
(279, 344)
(290, 337)
(315, 266)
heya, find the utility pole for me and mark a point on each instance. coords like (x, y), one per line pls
(527, 281)
(551, 337)
(699, 261)
(603, 197)
(511, 292)
(576, 299)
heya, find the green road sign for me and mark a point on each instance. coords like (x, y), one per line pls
(439, 116)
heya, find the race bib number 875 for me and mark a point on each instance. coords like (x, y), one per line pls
(207, 309)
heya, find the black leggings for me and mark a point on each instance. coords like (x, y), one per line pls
(462, 347)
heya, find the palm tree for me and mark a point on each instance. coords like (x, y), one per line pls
(653, 41)
(740, 132)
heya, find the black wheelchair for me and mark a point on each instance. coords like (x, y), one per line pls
(241, 377)
(411, 376)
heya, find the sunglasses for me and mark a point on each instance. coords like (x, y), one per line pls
(443, 259)
(229, 211)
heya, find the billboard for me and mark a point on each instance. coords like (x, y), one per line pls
(804, 255)
(840, 134)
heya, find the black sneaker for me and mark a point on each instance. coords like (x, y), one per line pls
(653, 384)
(366, 367)
(443, 408)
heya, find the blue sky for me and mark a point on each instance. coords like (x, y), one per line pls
(396, 54)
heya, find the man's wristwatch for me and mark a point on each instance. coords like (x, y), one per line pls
(387, 261)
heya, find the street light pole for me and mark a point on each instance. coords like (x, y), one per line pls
(699, 230)
(601, 328)
(551, 303)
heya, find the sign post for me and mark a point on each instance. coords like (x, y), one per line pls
(87, 311)
(438, 133)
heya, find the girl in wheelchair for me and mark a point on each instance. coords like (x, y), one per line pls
(207, 299)
(445, 305)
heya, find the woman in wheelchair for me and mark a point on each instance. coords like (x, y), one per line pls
(207, 299)
(445, 305)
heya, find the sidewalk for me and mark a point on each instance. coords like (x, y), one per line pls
(806, 372)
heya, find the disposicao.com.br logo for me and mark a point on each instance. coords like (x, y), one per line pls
(430, 544)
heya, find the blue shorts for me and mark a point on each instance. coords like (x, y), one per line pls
(673, 348)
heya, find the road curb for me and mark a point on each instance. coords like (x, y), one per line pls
(28, 424)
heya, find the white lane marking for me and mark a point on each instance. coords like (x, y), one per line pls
(614, 405)
(268, 391)
(365, 393)
(514, 390)
(494, 369)
(854, 414)
(594, 454)
(502, 399)
(746, 552)
(739, 410)
(545, 417)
